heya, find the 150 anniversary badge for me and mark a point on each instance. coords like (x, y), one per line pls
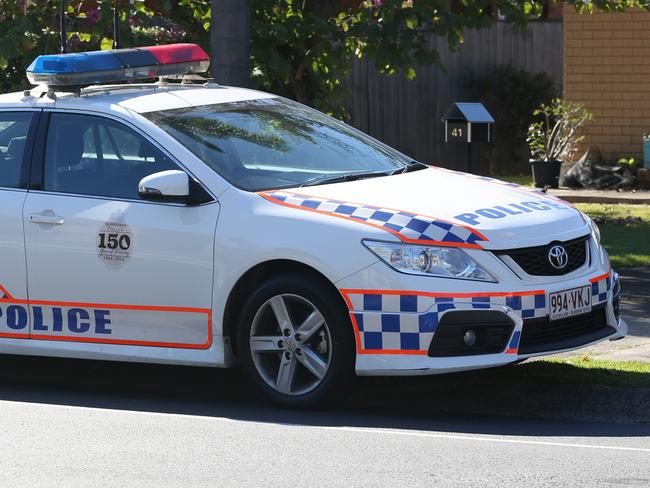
(114, 244)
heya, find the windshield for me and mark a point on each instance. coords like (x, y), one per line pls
(275, 143)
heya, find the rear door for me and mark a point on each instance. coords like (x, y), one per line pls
(17, 130)
(104, 265)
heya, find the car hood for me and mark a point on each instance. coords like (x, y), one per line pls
(500, 215)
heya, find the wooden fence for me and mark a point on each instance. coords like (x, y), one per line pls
(406, 113)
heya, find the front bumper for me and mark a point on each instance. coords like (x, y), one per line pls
(396, 324)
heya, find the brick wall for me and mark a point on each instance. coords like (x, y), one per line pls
(607, 66)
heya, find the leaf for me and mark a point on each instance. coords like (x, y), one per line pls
(106, 44)
(412, 22)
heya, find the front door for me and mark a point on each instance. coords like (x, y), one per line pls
(104, 265)
(15, 142)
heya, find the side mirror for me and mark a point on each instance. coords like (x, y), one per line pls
(172, 186)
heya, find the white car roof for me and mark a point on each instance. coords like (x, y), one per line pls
(137, 98)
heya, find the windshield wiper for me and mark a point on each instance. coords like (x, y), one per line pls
(341, 178)
(412, 166)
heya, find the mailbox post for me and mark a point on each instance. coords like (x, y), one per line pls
(467, 123)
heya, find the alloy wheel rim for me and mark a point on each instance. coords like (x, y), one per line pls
(290, 343)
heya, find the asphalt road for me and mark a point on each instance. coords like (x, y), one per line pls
(91, 424)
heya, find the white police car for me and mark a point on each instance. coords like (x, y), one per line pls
(205, 225)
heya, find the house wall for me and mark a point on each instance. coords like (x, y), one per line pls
(607, 66)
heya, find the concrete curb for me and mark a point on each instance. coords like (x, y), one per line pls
(598, 196)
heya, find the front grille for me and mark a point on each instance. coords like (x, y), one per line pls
(540, 335)
(534, 260)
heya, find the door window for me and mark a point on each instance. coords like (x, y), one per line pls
(14, 127)
(96, 156)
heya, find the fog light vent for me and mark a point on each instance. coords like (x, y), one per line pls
(471, 332)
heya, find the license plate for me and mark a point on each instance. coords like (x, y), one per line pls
(567, 303)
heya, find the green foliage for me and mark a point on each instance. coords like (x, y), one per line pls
(510, 95)
(28, 29)
(300, 48)
(304, 49)
(555, 136)
(631, 162)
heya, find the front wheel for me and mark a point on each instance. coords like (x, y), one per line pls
(295, 341)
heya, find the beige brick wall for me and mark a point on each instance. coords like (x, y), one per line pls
(607, 66)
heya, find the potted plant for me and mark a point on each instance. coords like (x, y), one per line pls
(553, 138)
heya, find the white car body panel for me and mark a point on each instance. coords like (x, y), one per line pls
(12, 243)
(451, 196)
(166, 301)
(167, 268)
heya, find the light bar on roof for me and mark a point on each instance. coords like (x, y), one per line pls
(79, 69)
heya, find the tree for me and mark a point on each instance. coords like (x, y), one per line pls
(230, 41)
(302, 49)
(30, 28)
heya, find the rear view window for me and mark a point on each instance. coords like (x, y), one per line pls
(14, 127)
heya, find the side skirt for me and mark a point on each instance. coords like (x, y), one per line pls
(212, 357)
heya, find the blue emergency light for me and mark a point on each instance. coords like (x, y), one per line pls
(80, 69)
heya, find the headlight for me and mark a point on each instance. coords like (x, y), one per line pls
(445, 262)
(595, 232)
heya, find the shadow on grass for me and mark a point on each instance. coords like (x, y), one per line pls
(538, 389)
(500, 401)
(627, 245)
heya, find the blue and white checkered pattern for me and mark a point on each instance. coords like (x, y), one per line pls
(600, 289)
(395, 322)
(408, 226)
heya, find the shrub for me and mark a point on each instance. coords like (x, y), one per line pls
(555, 136)
(510, 95)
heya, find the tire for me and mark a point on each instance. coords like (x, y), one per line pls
(300, 363)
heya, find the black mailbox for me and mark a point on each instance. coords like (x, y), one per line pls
(467, 122)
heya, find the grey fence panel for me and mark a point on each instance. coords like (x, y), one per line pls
(406, 113)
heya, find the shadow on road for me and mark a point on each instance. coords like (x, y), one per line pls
(637, 316)
(635, 283)
(486, 402)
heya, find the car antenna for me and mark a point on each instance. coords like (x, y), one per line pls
(64, 35)
(116, 25)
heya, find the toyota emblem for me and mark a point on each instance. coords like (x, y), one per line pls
(558, 257)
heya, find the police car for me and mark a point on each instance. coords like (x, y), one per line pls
(198, 224)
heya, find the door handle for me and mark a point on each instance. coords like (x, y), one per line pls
(46, 219)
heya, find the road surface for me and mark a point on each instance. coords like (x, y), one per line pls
(91, 424)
